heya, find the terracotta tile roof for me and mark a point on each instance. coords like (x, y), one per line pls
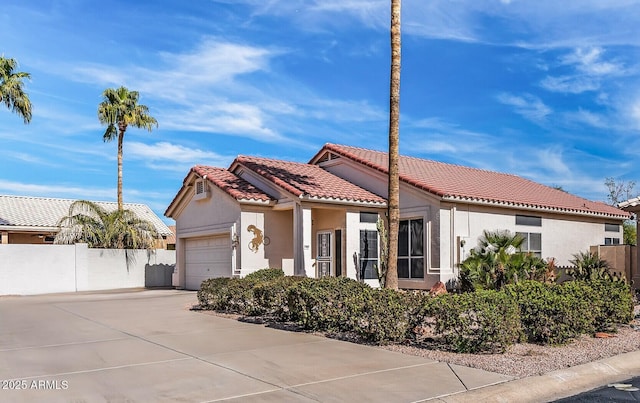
(45, 212)
(456, 182)
(308, 181)
(235, 186)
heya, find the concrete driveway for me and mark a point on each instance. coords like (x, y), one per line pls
(146, 345)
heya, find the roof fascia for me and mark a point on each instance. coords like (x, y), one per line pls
(22, 228)
(180, 201)
(535, 208)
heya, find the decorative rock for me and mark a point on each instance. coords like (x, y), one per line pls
(437, 289)
(602, 335)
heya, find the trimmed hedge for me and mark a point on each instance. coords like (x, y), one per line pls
(329, 303)
(553, 314)
(484, 320)
(265, 275)
(270, 297)
(469, 322)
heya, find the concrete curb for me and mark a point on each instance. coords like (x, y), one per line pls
(556, 384)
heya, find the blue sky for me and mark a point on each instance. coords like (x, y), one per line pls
(549, 90)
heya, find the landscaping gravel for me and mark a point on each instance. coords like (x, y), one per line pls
(522, 360)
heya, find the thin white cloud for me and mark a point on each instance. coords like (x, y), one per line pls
(527, 105)
(222, 117)
(439, 139)
(633, 111)
(30, 189)
(166, 155)
(588, 118)
(570, 84)
(590, 70)
(590, 61)
(540, 24)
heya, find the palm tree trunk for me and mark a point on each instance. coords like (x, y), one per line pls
(394, 140)
(120, 142)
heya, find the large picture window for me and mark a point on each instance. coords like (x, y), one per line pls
(411, 249)
(368, 254)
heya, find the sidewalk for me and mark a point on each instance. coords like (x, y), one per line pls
(557, 384)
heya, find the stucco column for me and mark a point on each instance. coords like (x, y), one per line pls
(352, 243)
(302, 238)
(178, 279)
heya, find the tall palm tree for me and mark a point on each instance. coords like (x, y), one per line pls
(118, 110)
(394, 140)
(11, 92)
(90, 223)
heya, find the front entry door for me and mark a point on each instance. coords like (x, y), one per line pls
(324, 258)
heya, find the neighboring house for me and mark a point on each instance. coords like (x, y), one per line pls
(171, 239)
(34, 220)
(633, 206)
(319, 219)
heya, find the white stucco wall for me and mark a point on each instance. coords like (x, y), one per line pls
(37, 269)
(215, 215)
(42, 269)
(279, 228)
(252, 260)
(562, 235)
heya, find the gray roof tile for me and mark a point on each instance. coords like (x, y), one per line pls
(37, 212)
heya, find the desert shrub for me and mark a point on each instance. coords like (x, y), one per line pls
(210, 292)
(270, 297)
(553, 314)
(327, 303)
(589, 266)
(385, 316)
(480, 321)
(227, 294)
(614, 300)
(497, 261)
(265, 275)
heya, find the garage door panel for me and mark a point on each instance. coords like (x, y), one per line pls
(207, 258)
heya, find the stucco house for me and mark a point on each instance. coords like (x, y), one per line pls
(319, 218)
(633, 206)
(34, 220)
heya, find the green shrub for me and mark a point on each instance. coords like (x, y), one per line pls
(265, 275)
(553, 314)
(498, 261)
(589, 266)
(227, 294)
(271, 297)
(615, 303)
(481, 321)
(386, 316)
(326, 304)
(210, 292)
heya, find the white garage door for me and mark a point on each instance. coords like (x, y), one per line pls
(206, 258)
